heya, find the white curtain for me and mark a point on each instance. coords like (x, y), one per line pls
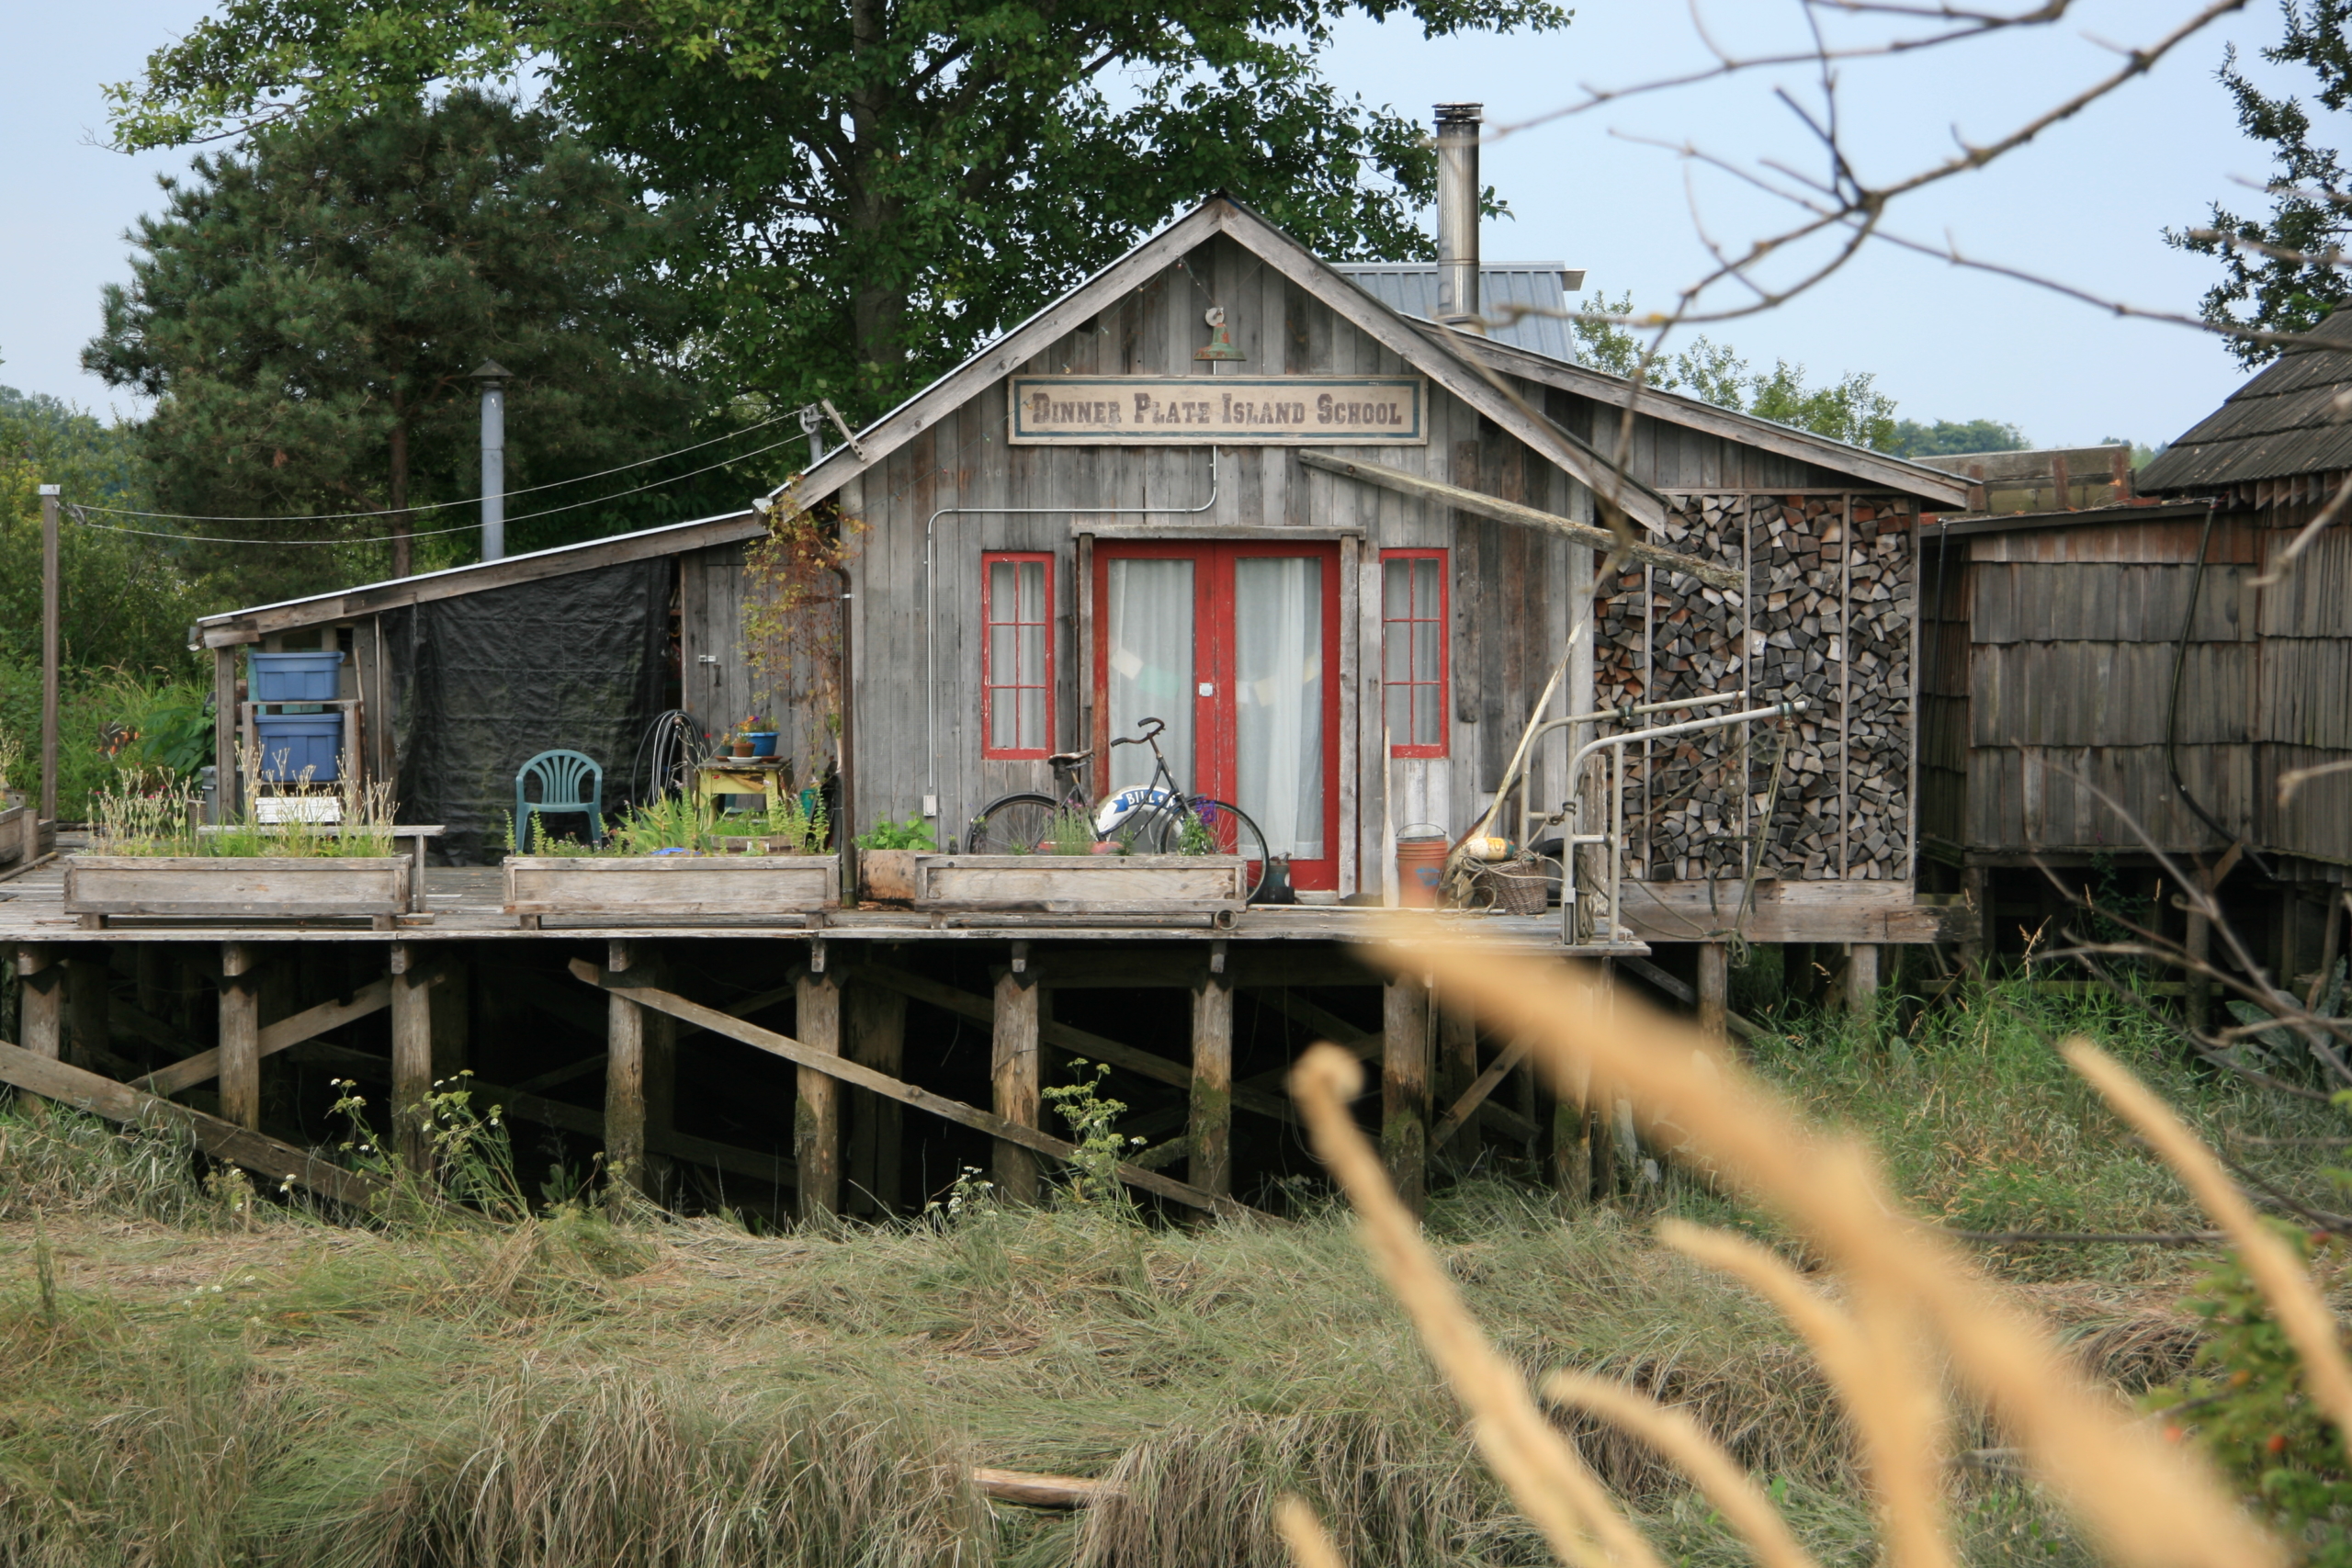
(1278, 699)
(1151, 666)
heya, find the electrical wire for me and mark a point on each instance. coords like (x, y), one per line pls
(421, 534)
(443, 505)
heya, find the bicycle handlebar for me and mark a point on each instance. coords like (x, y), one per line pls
(1149, 735)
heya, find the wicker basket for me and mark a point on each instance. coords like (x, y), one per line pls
(1516, 887)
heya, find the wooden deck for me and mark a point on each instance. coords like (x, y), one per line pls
(464, 904)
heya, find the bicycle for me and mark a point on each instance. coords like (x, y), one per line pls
(1157, 818)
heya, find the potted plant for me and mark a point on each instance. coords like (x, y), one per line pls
(886, 860)
(673, 858)
(151, 856)
(753, 736)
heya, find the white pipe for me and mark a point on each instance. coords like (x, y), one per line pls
(1624, 714)
(931, 603)
(1616, 836)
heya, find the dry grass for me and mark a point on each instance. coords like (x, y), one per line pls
(1915, 1305)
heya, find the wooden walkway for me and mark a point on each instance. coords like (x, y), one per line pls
(93, 1033)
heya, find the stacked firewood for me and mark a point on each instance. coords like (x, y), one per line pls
(1828, 618)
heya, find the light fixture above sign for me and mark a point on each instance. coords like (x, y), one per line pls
(1220, 345)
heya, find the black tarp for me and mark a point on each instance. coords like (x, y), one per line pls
(485, 682)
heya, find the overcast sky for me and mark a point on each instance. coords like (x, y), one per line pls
(2086, 203)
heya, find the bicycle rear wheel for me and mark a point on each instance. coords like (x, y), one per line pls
(1012, 825)
(1228, 829)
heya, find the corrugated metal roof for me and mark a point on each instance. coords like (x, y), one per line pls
(2277, 424)
(1409, 288)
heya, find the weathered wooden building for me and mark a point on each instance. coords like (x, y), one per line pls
(1342, 550)
(2100, 682)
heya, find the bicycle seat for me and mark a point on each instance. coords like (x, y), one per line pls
(1068, 759)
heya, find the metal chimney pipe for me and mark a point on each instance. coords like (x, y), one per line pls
(494, 377)
(1457, 213)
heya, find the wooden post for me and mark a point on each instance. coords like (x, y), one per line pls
(2198, 941)
(49, 651)
(1569, 1154)
(1861, 979)
(1458, 1055)
(240, 1035)
(1714, 987)
(816, 1104)
(1013, 1074)
(624, 1074)
(40, 998)
(152, 961)
(412, 1055)
(88, 991)
(876, 1022)
(1404, 1088)
(1210, 1125)
(1976, 951)
(226, 779)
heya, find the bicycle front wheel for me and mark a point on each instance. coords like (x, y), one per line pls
(1012, 825)
(1199, 824)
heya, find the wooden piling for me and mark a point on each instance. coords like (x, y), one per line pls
(89, 995)
(1861, 979)
(623, 1072)
(1457, 1069)
(1714, 987)
(1404, 1087)
(1012, 1076)
(412, 1013)
(41, 992)
(240, 1035)
(874, 1019)
(817, 1102)
(1209, 1126)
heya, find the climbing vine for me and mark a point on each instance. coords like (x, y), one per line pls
(792, 627)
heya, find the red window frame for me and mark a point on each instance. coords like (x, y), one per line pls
(990, 684)
(1439, 629)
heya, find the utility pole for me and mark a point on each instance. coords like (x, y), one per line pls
(49, 651)
(493, 377)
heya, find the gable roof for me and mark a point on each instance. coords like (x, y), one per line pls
(1356, 305)
(1539, 288)
(2281, 423)
(1466, 364)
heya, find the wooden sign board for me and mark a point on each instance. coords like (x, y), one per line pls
(1223, 410)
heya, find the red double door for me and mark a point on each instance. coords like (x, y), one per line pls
(1236, 646)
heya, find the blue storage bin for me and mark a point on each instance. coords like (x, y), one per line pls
(293, 741)
(292, 677)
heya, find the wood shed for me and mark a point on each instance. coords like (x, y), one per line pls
(2101, 682)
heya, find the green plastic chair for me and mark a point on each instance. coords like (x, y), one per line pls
(568, 782)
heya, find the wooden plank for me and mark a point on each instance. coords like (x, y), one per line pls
(866, 1078)
(1685, 995)
(1457, 1067)
(222, 1139)
(1082, 884)
(1883, 911)
(1459, 1113)
(305, 1025)
(816, 1113)
(89, 985)
(1483, 506)
(1404, 1088)
(1210, 1129)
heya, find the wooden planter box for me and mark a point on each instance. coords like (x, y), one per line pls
(238, 887)
(1083, 885)
(19, 834)
(633, 889)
